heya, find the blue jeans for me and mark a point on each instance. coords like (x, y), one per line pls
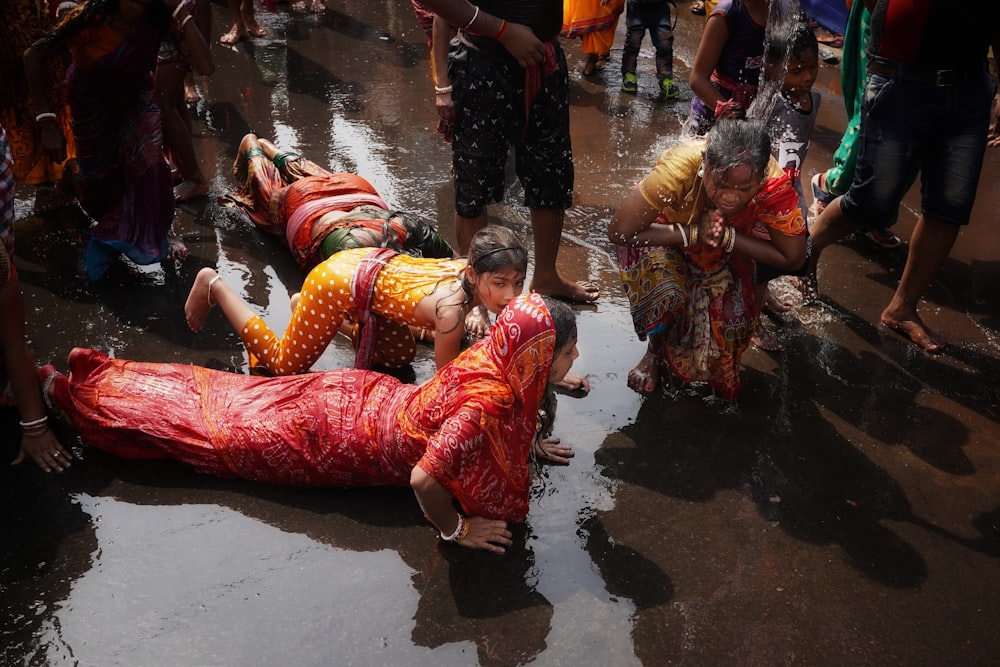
(941, 128)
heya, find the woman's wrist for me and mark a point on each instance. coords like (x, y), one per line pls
(460, 532)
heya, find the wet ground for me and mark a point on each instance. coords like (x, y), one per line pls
(845, 512)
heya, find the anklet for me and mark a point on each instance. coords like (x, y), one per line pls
(209, 295)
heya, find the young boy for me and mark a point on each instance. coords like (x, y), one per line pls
(652, 15)
(791, 58)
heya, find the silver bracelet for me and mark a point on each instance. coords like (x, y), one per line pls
(472, 20)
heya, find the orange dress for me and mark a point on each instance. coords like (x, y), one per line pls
(327, 300)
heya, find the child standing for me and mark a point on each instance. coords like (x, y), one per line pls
(792, 62)
(652, 15)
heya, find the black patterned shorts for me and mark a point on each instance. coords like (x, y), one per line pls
(490, 119)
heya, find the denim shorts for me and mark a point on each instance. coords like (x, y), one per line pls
(941, 128)
(490, 119)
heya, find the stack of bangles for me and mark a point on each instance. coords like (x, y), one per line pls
(689, 234)
(35, 427)
(461, 531)
(728, 239)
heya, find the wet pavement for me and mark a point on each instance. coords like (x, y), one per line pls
(845, 512)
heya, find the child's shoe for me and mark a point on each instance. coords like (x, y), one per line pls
(630, 84)
(883, 237)
(669, 89)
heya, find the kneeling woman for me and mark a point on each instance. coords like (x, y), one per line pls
(688, 236)
(466, 434)
(383, 292)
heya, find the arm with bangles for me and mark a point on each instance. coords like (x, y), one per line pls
(38, 442)
(440, 40)
(189, 39)
(37, 74)
(634, 225)
(519, 40)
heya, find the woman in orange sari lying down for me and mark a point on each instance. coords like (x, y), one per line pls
(466, 434)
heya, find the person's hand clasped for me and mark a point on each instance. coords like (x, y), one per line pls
(711, 227)
(552, 449)
(488, 534)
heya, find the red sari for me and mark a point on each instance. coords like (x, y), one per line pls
(470, 427)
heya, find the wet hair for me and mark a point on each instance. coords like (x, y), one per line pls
(563, 320)
(95, 12)
(494, 248)
(732, 142)
(792, 39)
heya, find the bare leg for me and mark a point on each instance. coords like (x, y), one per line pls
(831, 226)
(247, 9)
(547, 225)
(930, 246)
(205, 293)
(645, 377)
(763, 337)
(466, 228)
(239, 29)
(240, 163)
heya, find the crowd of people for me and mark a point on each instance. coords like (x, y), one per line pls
(697, 240)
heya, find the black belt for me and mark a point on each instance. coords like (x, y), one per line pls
(933, 77)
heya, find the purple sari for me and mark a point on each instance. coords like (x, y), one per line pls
(124, 179)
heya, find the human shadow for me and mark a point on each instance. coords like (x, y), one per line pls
(464, 595)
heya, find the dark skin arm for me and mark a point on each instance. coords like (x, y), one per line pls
(436, 502)
(713, 41)
(519, 40)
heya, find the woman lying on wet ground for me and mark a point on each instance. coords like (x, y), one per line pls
(463, 437)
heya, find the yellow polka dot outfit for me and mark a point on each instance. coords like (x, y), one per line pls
(325, 302)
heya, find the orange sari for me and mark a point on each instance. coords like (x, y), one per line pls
(470, 427)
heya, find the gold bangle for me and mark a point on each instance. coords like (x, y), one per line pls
(464, 532)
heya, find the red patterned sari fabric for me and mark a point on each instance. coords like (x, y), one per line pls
(470, 426)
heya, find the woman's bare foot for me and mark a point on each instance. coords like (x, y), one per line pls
(914, 330)
(772, 303)
(646, 375)
(189, 189)
(575, 384)
(235, 34)
(807, 285)
(199, 301)
(578, 292)
(765, 339)
(175, 248)
(253, 28)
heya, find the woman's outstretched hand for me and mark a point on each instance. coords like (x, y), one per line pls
(489, 534)
(551, 449)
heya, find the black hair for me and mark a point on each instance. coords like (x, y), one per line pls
(733, 142)
(792, 38)
(563, 320)
(494, 248)
(95, 12)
